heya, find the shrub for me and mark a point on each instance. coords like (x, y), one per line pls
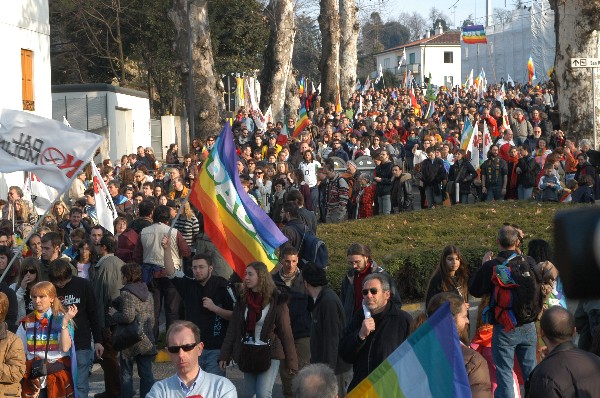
(409, 245)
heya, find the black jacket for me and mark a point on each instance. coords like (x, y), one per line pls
(297, 304)
(391, 329)
(79, 292)
(433, 171)
(566, 372)
(326, 331)
(530, 169)
(213, 327)
(384, 171)
(463, 173)
(402, 197)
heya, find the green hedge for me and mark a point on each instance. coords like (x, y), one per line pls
(409, 245)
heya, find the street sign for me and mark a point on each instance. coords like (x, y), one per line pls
(585, 62)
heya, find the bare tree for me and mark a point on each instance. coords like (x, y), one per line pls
(415, 23)
(204, 99)
(501, 16)
(277, 69)
(348, 47)
(329, 23)
(577, 28)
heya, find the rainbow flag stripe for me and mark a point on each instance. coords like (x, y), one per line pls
(474, 34)
(239, 228)
(428, 364)
(467, 134)
(531, 70)
(302, 121)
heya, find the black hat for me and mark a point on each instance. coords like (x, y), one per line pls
(314, 275)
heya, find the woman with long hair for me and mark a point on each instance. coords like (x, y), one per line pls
(13, 273)
(151, 158)
(29, 275)
(511, 184)
(135, 302)
(60, 211)
(541, 151)
(451, 275)
(261, 324)
(83, 263)
(188, 225)
(47, 335)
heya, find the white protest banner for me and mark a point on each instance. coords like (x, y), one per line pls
(42, 196)
(105, 208)
(53, 151)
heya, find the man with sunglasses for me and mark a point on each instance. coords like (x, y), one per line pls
(185, 347)
(375, 331)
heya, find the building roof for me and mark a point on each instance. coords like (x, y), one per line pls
(450, 38)
(89, 87)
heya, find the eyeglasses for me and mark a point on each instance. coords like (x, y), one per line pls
(372, 290)
(186, 347)
(31, 271)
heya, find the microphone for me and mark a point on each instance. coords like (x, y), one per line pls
(366, 311)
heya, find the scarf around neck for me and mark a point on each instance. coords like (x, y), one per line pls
(254, 301)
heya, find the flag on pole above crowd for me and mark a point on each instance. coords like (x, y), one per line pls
(357, 86)
(41, 195)
(379, 74)
(403, 59)
(487, 143)
(302, 86)
(469, 81)
(510, 81)
(49, 148)
(467, 135)
(474, 34)
(105, 208)
(338, 101)
(301, 123)
(531, 70)
(360, 106)
(428, 364)
(241, 231)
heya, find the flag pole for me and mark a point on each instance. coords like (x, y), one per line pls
(39, 222)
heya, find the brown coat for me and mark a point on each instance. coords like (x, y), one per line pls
(478, 373)
(12, 363)
(277, 328)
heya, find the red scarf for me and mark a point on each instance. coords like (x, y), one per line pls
(254, 302)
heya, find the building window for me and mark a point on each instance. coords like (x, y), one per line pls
(386, 63)
(411, 58)
(27, 79)
(448, 57)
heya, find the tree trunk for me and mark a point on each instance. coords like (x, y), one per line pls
(577, 35)
(204, 99)
(348, 52)
(292, 98)
(329, 23)
(278, 56)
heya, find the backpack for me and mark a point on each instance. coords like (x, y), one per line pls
(126, 244)
(517, 296)
(312, 249)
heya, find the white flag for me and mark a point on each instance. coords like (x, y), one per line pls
(360, 107)
(487, 141)
(105, 208)
(47, 147)
(510, 81)
(42, 196)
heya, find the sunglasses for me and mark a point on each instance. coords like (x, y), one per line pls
(186, 347)
(31, 271)
(373, 291)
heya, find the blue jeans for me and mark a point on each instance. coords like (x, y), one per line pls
(83, 371)
(209, 362)
(433, 195)
(385, 204)
(144, 366)
(261, 384)
(505, 345)
(494, 192)
(524, 193)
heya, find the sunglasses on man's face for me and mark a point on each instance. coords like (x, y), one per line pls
(372, 290)
(186, 347)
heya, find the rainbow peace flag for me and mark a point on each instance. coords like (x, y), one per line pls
(428, 364)
(467, 135)
(473, 34)
(239, 228)
(302, 121)
(531, 70)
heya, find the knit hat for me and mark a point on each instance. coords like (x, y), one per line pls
(314, 275)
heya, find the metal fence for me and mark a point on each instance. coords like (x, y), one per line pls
(83, 113)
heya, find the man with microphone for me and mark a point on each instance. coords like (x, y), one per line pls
(374, 333)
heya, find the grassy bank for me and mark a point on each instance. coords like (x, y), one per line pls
(409, 245)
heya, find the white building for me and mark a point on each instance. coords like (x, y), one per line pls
(530, 32)
(438, 55)
(120, 115)
(25, 77)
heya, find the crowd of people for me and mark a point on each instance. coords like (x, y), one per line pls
(77, 293)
